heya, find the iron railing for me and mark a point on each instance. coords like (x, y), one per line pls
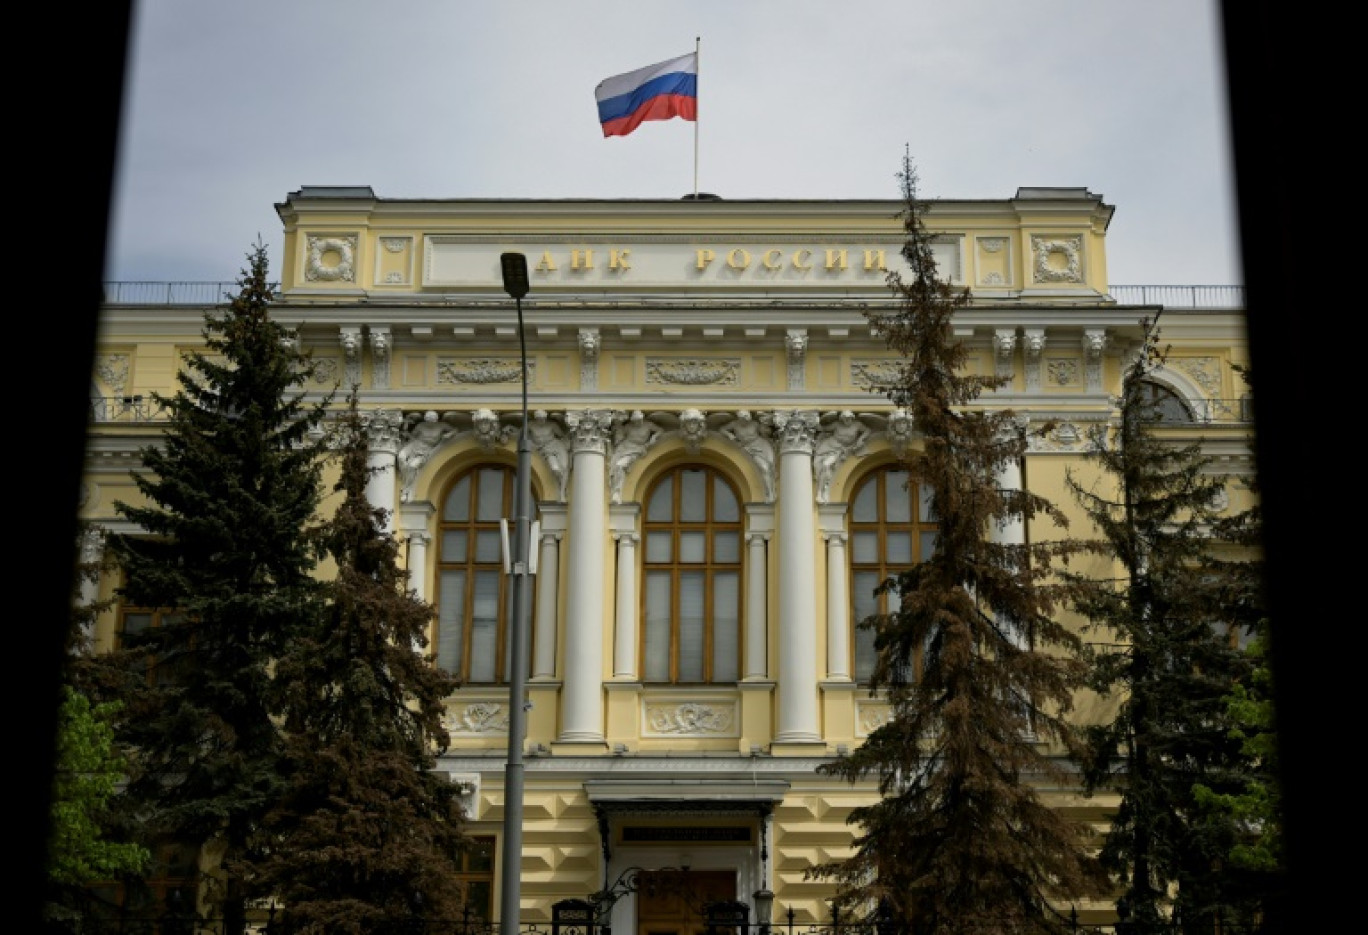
(126, 409)
(216, 293)
(281, 924)
(1180, 296)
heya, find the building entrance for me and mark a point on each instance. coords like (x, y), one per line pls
(671, 902)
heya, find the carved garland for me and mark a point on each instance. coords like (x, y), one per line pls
(345, 268)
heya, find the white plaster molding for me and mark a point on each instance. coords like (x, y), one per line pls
(589, 344)
(1058, 259)
(688, 718)
(795, 343)
(1004, 345)
(483, 370)
(380, 356)
(331, 259)
(693, 372)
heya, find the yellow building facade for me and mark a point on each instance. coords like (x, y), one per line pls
(716, 483)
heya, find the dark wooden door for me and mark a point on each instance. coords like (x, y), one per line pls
(670, 902)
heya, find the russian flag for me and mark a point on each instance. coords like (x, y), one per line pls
(656, 92)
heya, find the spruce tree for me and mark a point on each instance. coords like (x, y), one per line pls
(1164, 649)
(960, 840)
(225, 557)
(366, 839)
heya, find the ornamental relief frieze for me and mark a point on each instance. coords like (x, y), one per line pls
(722, 372)
(1064, 372)
(478, 717)
(689, 719)
(875, 374)
(331, 259)
(1058, 259)
(112, 371)
(869, 717)
(483, 370)
(1204, 371)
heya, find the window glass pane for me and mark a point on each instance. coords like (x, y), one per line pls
(692, 547)
(490, 493)
(864, 654)
(897, 498)
(899, 545)
(659, 547)
(661, 507)
(726, 547)
(924, 511)
(691, 611)
(864, 548)
(489, 546)
(862, 594)
(656, 649)
(484, 627)
(454, 545)
(928, 546)
(692, 496)
(725, 507)
(450, 620)
(865, 507)
(726, 627)
(457, 507)
(135, 623)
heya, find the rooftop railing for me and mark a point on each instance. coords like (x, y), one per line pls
(214, 293)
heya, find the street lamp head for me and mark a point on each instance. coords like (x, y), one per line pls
(514, 267)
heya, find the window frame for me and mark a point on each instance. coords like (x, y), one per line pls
(918, 527)
(712, 570)
(476, 530)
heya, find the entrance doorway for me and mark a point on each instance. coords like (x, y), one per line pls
(670, 902)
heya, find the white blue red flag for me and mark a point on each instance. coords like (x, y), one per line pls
(656, 92)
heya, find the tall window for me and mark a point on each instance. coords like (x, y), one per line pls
(474, 596)
(134, 622)
(692, 593)
(477, 878)
(890, 530)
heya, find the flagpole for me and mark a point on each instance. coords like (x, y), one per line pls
(698, 61)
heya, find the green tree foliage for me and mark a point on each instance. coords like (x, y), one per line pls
(960, 841)
(226, 555)
(1165, 650)
(367, 837)
(86, 842)
(87, 771)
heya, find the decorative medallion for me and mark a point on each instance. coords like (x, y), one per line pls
(331, 259)
(1058, 260)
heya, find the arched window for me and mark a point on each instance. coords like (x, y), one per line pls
(474, 596)
(692, 594)
(1162, 404)
(890, 530)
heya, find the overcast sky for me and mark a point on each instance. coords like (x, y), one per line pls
(230, 106)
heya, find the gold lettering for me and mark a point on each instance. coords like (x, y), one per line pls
(619, 259)
(547, 265)
(771, 259)
(800, 259)
(836, 259)
(874, 259)
(581, 259)
(704, 258)
(738, 259)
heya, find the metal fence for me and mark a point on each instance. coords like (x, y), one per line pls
(126, 409)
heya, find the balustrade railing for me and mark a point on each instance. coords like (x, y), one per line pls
(126, 409)
(216, 293)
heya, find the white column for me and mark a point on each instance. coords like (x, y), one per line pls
(582, 696)
(92, 551)
(624, 642)
(548, 591)
(417, 561)
(1013, 531)
(838, 608)
(757, 603)
(382, 427)
(797, 683)
(623, 520)
(832, 520)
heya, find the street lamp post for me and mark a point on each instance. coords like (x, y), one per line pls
(514, 266)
